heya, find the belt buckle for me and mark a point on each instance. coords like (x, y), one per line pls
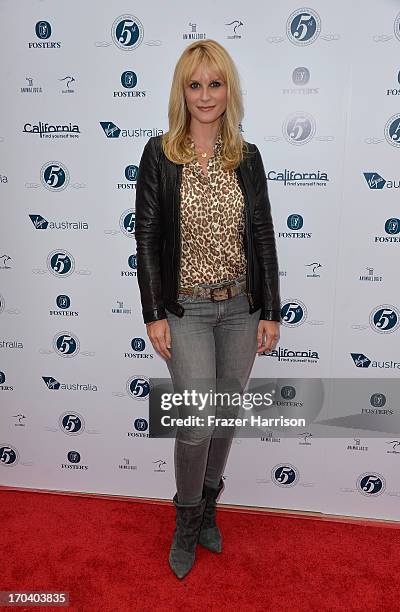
(223, 289)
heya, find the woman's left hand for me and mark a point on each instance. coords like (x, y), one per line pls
(267, 335)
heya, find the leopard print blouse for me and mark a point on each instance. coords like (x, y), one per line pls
(212, 223)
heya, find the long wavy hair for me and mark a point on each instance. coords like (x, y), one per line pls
(176, 142)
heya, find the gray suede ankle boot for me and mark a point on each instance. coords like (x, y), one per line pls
(186, 534)
(210, 536)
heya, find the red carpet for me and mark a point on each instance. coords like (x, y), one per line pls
(111, 556)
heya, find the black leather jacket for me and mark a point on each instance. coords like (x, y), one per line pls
(157, 233)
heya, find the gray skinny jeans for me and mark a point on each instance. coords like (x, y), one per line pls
(214, 344)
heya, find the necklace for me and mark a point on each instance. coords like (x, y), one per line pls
(201, 152)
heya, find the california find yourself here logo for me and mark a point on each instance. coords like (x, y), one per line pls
(290, 355)
(52, 131)
(295, 178)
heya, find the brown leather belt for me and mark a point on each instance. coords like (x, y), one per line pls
(218, 291)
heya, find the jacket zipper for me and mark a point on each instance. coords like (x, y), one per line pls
(177, 227)
(249, 245)
(249, 250)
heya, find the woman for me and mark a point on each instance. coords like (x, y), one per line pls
(207, 270)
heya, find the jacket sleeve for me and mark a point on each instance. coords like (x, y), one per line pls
(148, 235)
(264, 242)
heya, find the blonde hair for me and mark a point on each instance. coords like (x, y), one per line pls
(175, 142)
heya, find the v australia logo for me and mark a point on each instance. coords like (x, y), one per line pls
(110, 129)
(51, 382)
(360, 360)
(39, 222)
(374, 180)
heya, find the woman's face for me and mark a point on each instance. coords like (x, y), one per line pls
(206, 95)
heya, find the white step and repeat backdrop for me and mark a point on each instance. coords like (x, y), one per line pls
(84, 85)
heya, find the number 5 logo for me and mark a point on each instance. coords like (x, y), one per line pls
(66, 344)
(303, 26)
(385, 319)
(54, 176)
(8, 455)
(371, 484)
(138, 387)
(127, 32)
(293, 313)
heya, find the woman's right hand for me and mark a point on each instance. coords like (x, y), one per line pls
(160, 337)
